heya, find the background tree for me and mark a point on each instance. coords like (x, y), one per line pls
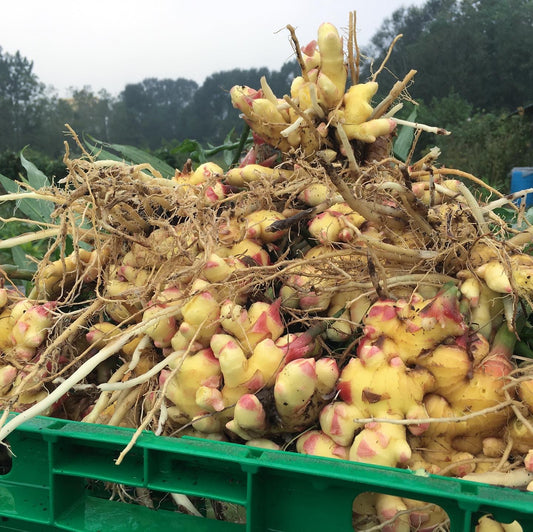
(477, 48)
(150, 112)
(210, 116)
(20, 92)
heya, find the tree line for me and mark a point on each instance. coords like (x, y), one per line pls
(472, 59)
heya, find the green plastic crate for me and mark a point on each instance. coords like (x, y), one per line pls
(51, 480)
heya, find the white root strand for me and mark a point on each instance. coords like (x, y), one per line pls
(506, 200)
(76, 387)
(163, 416)
(154, 370)
(293, 127)
(105, 398)
(417, 421)
(144, 342)
(185, 502)
(511, 479)
(474, 207)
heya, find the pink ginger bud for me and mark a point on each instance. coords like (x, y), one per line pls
(444, 308)
(265, 322)
(249, 413)
(218, 268)
(528, 461)
(337, 421)
(381, 444)
(295, 385)
(327, 372)
(297, 345)
(317, 443)
(387, 506)
(216, 192)
(417, 412)
(209, 398)
(326, 226)
(31, 329)
(7, 375)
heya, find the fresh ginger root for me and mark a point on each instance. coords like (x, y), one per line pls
(317, 99)
(376, 384)
(299, 392)
(487, 524)
(416, 362)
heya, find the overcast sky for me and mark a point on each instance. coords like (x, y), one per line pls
(105, 44)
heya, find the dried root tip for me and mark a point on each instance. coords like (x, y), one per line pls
(423, 127)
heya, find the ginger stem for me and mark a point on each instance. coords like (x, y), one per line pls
(354, 167)
(387, 56)
(123, 406)
(423, 127)
(29, 237)
(353, 62)
(396, 90)
(298, 51)
(357, 205)
(16, 196)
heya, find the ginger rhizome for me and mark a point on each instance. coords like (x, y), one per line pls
(320, 296)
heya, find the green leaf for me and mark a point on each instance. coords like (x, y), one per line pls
(187, 146)
(102, 154)
(134, 155)
(11, 186)
(38, 210)
(35, 178)
(404, 140)
(35, 209)
(137, 156)
(20, 259)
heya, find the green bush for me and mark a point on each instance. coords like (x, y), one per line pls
(487, 145)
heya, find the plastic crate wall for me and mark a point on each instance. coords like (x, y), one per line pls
(48, 486)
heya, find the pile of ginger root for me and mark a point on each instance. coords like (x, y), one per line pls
(328, 299)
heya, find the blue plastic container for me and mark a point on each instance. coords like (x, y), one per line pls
(521, 179)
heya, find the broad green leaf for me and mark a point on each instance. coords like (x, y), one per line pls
(11, 186)
(404, 140)
(41, 209)
(186, 146)
(35, 178)
(134, 155)
(21, 260)
(137, 156)
(35, 209)
(102, 154)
